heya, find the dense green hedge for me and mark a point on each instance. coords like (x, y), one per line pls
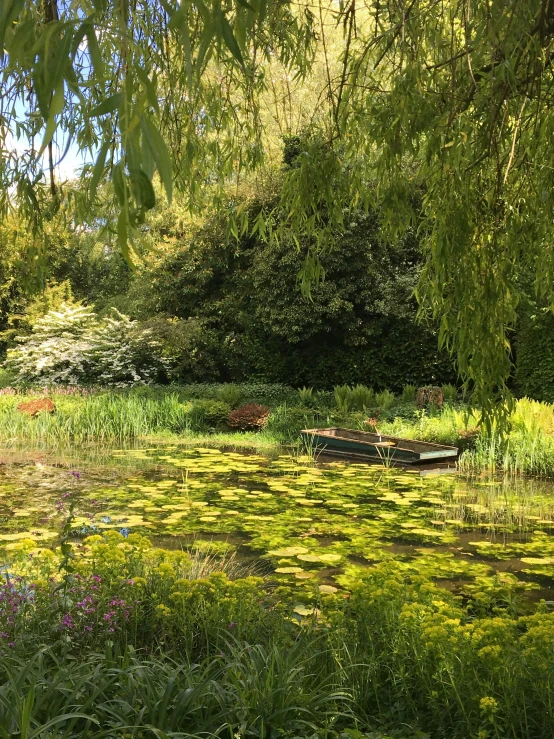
(358, 325)
(395, 353)
(535, 357)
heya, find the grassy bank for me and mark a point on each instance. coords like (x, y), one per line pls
(126, 640)
(200, 414)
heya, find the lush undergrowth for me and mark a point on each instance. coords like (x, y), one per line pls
(201, 413)
(124, 640)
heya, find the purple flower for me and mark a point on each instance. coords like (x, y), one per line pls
(76, 474)
(67, 621)
(232, 625)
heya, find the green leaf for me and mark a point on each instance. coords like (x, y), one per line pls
(98, 170)
(230, 40)
(58, 720)
(10, 11)
(26, 713)
(142, 189)
(95, 54)
(123, 235)
(160, 153)
(56, 107)
(119, 185)
(150, 87)
(21, 40)
(108, 105)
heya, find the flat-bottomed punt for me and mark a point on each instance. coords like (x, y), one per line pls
(375, 446)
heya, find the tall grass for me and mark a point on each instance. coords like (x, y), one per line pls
(98, 418)
(249, 691)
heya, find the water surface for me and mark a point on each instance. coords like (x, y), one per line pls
(308, 523)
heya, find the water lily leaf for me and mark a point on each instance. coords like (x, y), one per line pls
(330, 589)
(303, 610)
(288, 570)
(288, 551)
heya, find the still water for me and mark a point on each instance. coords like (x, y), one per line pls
(325, 522)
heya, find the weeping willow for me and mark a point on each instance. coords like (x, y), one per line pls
(440, 112)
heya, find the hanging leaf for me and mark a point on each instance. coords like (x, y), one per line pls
(108, 106)
(98, 170)
(119, 184)
(230, 40)
(160, 153)
(56, 107)
(123, 235)
(143, 190)
(11, 9)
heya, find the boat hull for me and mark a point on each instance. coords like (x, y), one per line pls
(362, 444)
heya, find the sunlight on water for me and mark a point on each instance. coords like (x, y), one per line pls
(327, 522)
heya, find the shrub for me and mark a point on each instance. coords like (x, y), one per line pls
(361, 398)
(231, 394)
(429, 396)
(385, 399)
(306, 396)
(72, 345)
(250, 417)
(449, 393)
(534, 373)
(358, 398)
(342, 398)
(211, 413)
(409, 393)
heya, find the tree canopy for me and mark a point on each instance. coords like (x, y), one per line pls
(438, 111)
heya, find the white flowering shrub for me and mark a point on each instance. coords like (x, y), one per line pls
(121, 352)
(72, 345)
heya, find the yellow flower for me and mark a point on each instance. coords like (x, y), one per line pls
(488, 705)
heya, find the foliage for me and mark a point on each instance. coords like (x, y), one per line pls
(449, 393)
(534, 374)
(231, 394)
(385, 399)
(248, 417)
(431, 661)
(409, 393)
(225, 655)
(358, 398)
(71, 345)
(56, 350)
(358, 326)
(463, 160)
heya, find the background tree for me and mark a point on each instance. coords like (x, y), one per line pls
(451, 96)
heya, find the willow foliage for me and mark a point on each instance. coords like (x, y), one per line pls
(451, 99)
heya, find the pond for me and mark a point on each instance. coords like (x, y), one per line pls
(306, 523)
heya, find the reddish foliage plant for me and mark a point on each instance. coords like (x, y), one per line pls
(34, 407)
(249, 417)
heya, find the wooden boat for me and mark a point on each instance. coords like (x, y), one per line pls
(375, 446)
